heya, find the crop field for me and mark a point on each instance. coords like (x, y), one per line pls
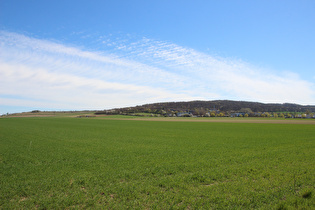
(54, 162)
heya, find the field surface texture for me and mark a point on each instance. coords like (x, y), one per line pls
(50, 163)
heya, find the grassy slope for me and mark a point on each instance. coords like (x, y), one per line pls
(71, 162)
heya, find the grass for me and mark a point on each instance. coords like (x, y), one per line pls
(50, 163)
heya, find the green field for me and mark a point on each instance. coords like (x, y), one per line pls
(50, 163)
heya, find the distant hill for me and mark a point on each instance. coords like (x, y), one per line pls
(220, 105)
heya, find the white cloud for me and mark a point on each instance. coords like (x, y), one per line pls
(74, 91)
(229, 78)
(43, 73)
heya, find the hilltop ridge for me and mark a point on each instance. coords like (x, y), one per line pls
(226, 106)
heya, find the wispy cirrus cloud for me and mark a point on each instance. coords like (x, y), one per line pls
(42, 73)
(229, 78)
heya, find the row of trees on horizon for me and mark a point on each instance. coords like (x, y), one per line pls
(204, 112)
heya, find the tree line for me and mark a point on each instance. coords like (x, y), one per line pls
(219, 108)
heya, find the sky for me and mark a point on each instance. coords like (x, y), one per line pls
(95, 55)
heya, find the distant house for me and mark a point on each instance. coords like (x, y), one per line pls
(184, 114)
(237, 114)
(171, 115)
(214, 110)
(257, 114)
(309, 116)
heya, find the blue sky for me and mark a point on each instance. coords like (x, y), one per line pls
(75, 55)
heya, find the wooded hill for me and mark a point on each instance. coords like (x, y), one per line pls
(226, 106)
